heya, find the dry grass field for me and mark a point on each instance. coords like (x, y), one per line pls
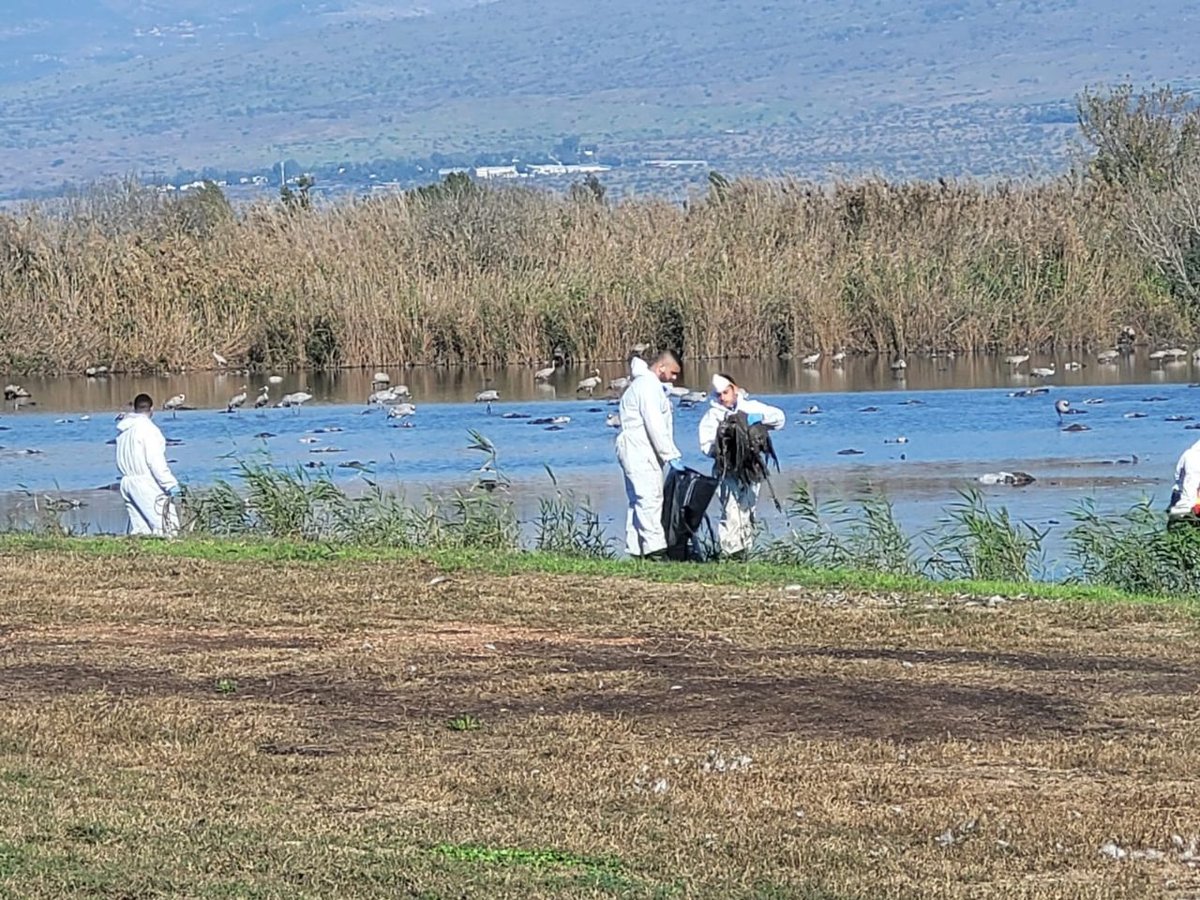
(180, 727)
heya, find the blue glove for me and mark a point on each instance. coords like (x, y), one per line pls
(173, 492)
(676, 464)
(754, 419)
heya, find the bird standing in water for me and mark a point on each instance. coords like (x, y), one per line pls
(237, 400)
(173, 403)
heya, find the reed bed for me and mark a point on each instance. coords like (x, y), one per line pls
(1134, 551)
(469, 274)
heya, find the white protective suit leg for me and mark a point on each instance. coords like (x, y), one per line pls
(736, 531)
(149, 508)
(644, 490)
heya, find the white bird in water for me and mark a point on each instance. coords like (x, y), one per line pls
(811, 360)
(1017, 359)
(1062, 407)
(296, 399)
(236, 401)
(263, 397)
(489, 397)
(613, 420)
(619, 384)
(221, 361)
(173, 403)
(838, 358)
(389, 395)
(1042, 372)
(899, 364)
(546, 373)
(275, 379)
(1072, 366)
(691, 398)
(380, 379)
(590, 383)
(1107, 356)
(401, 411)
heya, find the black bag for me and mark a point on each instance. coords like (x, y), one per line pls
(686, 495)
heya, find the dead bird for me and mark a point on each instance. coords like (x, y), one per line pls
(745, 452)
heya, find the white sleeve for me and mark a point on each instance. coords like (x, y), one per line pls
(773, 416)
(1190, 483)
(657, 428)
(156, 459)
(708, 431)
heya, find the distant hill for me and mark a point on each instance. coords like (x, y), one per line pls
(926, 88)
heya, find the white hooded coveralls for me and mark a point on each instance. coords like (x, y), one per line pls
(645, 444)
(1187, 482)
(145, 476)
(736, 531)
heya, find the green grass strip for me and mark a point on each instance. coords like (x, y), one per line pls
(528, 562)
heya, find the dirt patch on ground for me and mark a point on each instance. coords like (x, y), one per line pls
(332, 724)
(686, 684)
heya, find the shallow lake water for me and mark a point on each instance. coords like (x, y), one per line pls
(959, 418)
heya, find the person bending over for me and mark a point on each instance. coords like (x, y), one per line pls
(645, 445)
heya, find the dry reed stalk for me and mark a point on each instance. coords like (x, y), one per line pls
(505, 275)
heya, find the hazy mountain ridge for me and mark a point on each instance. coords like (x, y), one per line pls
(759, 85)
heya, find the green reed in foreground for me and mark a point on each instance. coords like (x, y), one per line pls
(1134, 551)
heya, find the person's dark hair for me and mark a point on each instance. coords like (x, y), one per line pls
(143, 403)
(665, 356)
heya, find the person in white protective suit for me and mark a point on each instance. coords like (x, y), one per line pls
(645, 446)
(736, 531)
(147, 485)
(1185, 498)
